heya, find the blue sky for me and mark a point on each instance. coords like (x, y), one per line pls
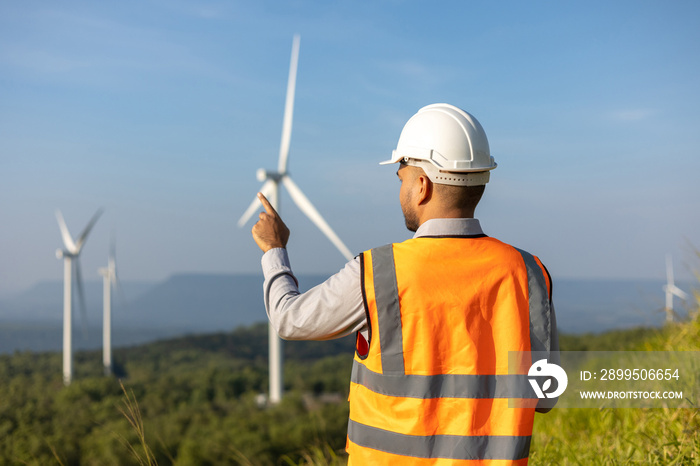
(162, 111)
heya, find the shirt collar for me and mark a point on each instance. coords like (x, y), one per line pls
(449, 227)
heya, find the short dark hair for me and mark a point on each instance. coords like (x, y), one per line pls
(460, 197)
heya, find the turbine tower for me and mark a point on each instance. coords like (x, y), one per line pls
(71, 267)
(671, 289)
(109, 279)
(270, 189)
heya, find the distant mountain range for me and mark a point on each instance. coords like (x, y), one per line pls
(206, 303)
(182, 304)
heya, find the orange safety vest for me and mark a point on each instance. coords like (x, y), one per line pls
(432, 385)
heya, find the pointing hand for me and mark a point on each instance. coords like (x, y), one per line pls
(270, 231)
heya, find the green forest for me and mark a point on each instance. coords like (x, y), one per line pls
(195, 401)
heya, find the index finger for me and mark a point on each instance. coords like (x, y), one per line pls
(266, 204)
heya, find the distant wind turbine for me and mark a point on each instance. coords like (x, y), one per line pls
(270, 189)
(71, 267)
(109, 279)
(671, 289)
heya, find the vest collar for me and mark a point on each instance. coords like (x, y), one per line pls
(449, 227)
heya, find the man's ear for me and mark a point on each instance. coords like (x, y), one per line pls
(425, 189)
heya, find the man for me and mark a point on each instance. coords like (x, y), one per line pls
(436, 316)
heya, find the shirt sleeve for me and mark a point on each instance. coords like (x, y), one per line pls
(332, 309)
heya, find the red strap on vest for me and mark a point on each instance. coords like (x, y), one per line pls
(361, 346)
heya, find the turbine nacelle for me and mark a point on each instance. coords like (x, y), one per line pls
(63, 254)
(264, 175)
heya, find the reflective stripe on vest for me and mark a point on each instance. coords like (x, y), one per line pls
(392, 385)
(540, 313)
(443, 385)
(453, 447)
(387, 295)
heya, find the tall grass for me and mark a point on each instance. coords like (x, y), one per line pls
(317, 456)
(580, 436)
(130, 409)
(621, 436)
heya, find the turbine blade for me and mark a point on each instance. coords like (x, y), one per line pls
(114, 281)
(86, 231)
(112, 248)
(65, 234)
(112, 262)
(305, 205)
(249, 212)
(266, 189)
(113, 278)
(81, 296)
(289, 107)
(678, 292)
(669, 269)
(117, 286)
(112, 270)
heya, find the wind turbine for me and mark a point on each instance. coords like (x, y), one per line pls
(671, 289)
(71, 267)
(270, 189)
(109, 279)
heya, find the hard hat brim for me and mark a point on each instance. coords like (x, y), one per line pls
(395, 158)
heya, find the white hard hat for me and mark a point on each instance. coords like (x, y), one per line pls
(448, 143)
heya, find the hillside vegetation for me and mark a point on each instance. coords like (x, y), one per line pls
(194, 401)
(196, 397)
(624, 435)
